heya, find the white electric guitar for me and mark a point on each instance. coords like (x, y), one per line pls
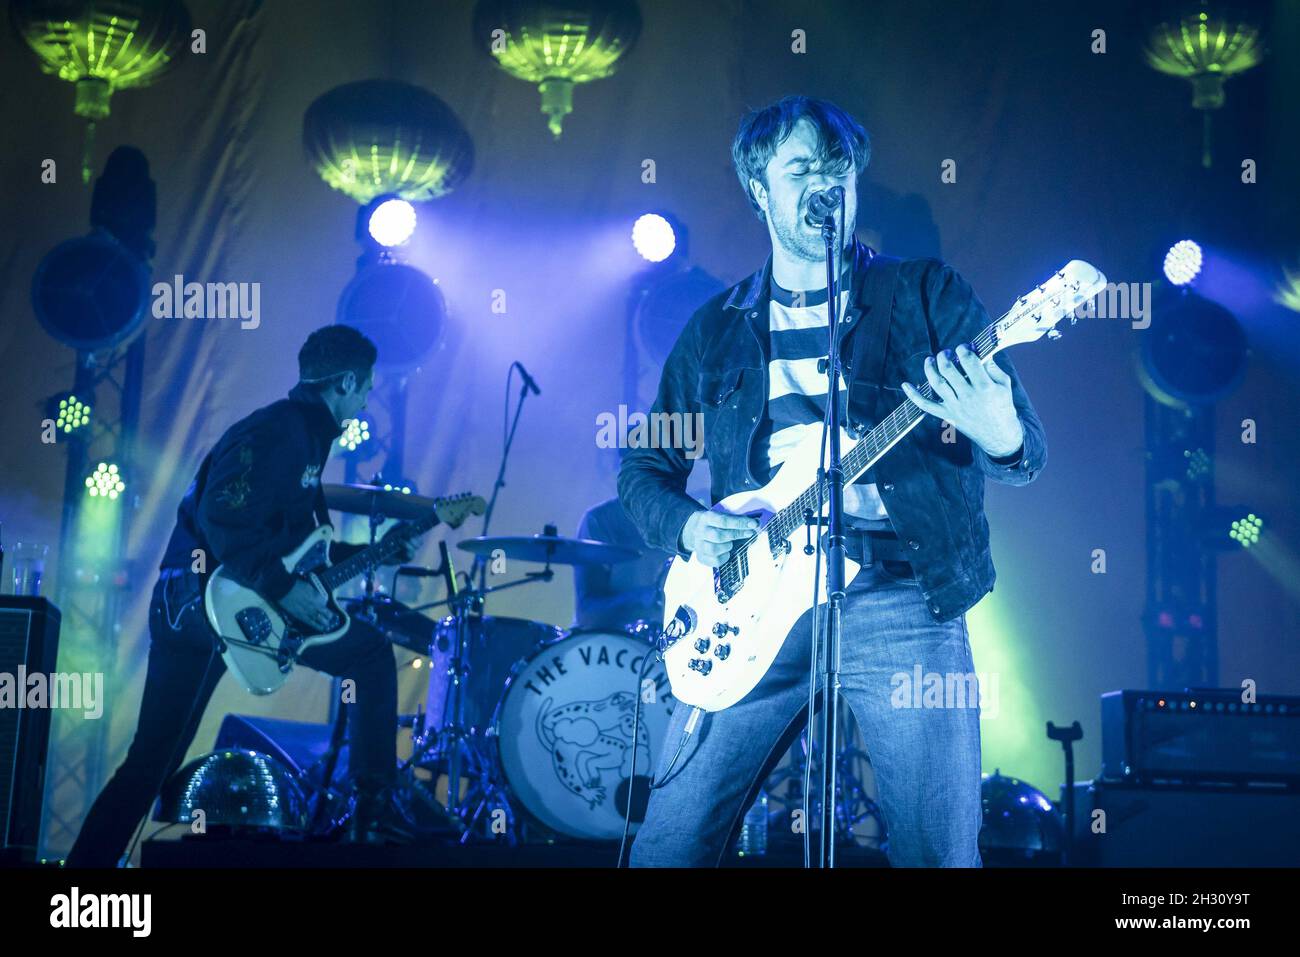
(723, 627)
(261, 642)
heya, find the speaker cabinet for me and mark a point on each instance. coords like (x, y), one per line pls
(29, 644)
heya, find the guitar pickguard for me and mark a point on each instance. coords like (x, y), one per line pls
(315, 557)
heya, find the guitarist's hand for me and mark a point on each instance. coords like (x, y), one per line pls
(308, 605)
(406, 547)
(975, 398)
(711, 535)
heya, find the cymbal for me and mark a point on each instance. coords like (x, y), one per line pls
(365, 499)
(551, 549)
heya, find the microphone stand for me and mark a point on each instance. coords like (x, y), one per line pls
(835, 549)
(480, 561)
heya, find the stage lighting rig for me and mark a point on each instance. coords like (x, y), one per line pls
(105, 482)
(1183, 262)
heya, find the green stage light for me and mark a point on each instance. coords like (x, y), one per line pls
(72, 414)
(1245, 531)
(105, 482)
(556, 46)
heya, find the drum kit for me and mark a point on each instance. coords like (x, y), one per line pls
(529, 732)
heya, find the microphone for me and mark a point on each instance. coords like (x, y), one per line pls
(823, 203)
(418, 571)
(528, 380)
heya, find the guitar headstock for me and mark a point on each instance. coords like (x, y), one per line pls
(1036, 313)
(453, 510)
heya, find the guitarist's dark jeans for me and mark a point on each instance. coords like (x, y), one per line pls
(184, 668)
(924, 744)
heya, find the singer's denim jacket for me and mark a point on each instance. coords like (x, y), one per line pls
(933, 490)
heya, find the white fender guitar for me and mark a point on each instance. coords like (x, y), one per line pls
(261, 642)
(723, 627)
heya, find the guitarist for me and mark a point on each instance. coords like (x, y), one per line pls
(748, 363)
(255, 497)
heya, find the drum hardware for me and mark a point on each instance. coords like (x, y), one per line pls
(480, 668)
(551, 549)
(449, 736)
(790, 780)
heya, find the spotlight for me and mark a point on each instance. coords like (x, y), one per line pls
(1198, 464)
(105, 482)
(1245, 531)
(1230, 528)
(91, 293)
(391, 222)
(1183, 262)
(654, 237)
(69, 413)
(356, 433)
(1195, 351)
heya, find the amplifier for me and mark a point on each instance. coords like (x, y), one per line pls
(1208, 825)
(1200, 736)
(29, 644)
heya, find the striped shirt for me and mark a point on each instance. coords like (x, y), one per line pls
(796, 390)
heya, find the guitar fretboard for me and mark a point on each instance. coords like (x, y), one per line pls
(856, 461)
(375, 555)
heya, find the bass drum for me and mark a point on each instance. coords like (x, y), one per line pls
(565, 736)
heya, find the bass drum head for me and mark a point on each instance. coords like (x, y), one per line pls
(564, 729)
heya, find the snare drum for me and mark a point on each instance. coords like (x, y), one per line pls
(564, 730)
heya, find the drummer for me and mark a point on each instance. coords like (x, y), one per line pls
(613, 596)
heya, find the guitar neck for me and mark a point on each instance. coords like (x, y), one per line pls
(870, 449)
(375, 555)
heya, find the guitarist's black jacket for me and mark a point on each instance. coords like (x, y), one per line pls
(257, 495)
(933, 489)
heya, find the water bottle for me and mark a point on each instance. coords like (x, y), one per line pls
(753, 830)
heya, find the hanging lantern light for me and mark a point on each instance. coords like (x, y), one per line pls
(1205, 45)
(557, 44)
(102, 46)
(379, 137)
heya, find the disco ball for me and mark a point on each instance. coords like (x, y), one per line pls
(1020, 823)
(235, 788)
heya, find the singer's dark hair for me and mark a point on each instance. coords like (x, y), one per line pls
(842, 143)
(332, 351)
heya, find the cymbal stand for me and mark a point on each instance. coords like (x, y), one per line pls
(454, 741)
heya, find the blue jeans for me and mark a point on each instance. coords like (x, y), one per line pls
(924, 748)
